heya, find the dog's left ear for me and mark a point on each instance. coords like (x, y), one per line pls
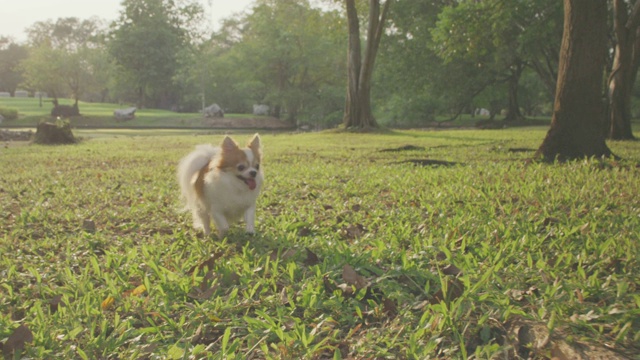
(254, 143)
(228, 144)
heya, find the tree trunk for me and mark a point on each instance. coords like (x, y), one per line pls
(513, 107)
(625, 67)
(578, 114)
(357, 112)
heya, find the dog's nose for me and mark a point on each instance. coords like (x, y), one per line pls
(253, 173)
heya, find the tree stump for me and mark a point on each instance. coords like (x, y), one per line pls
(54, 133)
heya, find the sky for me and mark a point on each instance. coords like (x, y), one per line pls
(17, 15)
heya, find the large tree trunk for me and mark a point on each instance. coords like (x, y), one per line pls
(625, 67)
(578, 113)
(357, 112)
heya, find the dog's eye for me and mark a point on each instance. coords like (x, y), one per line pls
(257, 166)
(241, 167)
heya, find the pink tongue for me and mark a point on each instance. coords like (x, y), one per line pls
(251, 183)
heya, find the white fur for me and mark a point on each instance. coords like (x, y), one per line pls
(226, 200)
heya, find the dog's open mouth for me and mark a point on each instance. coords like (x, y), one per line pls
(251, 183)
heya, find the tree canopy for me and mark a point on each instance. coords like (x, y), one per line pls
(433, 60)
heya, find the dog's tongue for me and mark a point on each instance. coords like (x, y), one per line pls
(251, 183)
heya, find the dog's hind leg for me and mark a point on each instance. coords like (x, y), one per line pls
(201, 220)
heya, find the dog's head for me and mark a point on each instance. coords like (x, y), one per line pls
(244, 163)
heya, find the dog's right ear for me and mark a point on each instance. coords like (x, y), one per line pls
(254, 143)
(228, 144)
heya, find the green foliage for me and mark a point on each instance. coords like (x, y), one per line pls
(552, 245)
(501, 39)
(66, 58)
(146, 43)
(287, 57)
(8, 113)
(11, 54)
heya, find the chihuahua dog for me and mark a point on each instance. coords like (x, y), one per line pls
(222, 183)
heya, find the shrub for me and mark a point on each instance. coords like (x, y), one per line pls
(9, 113)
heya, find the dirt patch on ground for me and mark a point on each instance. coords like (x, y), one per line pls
(14, 138)
(246, 123)
(12, 135)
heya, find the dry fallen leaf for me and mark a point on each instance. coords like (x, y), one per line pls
(286, 254)
(451, 270)
(353, 231)
(329, 285)
(89, 225)
(16, 341)
(139, 290)
(107, 303)
(209, 263)
(351, 277)
(204, 291)
(312, 259)
(455, 289)
(54, 303)
(390, 308)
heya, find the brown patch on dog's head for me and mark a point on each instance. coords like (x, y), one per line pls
(243, 163)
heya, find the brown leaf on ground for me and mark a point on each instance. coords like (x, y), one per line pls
(548, 221)
(284, 255)
(390, 308)
(107, 303)
(205, 290)
(312, 258)
(455, 289)
(351, 277)
(54, 303)
(209, 263)
(89, 226)
(16, 341)
(451, 270)
(329, 285)
(533, 340)
(304, 231)
(353, 231)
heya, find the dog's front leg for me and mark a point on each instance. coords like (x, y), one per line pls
(222, 225)
(250, 219)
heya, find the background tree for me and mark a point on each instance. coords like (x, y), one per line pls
(285, 54)
(146, 42)
(11, 55)
(292, 49)
(61, 53)
(578, 113)
(503, 39)
(358, 112)
(626, 23)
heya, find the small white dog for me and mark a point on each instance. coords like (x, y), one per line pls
(222, 183)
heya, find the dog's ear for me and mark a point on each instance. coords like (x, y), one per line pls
(254, 143)
(228, 144)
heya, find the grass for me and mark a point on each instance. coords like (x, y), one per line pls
(101, 115)
(358, 254)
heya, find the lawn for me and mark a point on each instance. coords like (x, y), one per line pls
(30, 113)
(359, 253)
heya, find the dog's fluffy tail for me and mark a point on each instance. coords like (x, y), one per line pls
(188, 167)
